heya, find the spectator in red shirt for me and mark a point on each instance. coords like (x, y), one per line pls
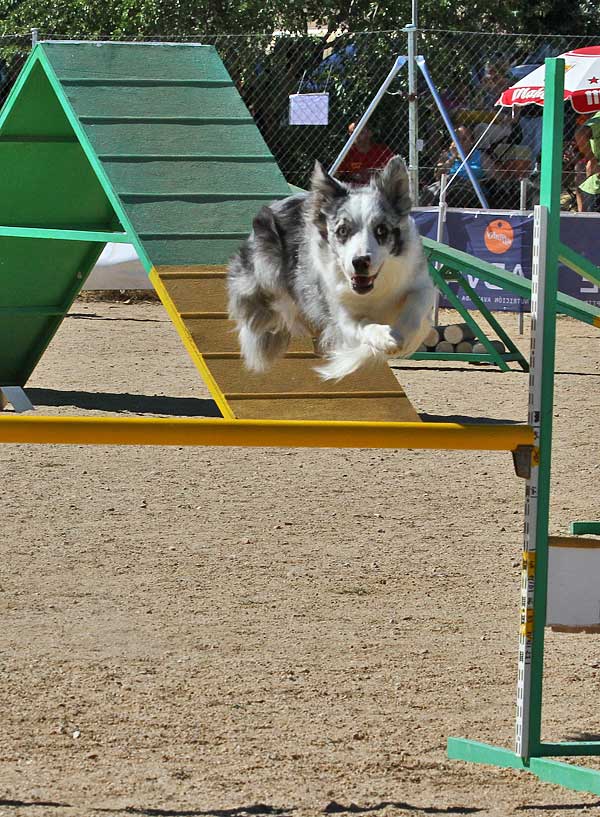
(364, 157)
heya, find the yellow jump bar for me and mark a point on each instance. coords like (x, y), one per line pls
(275, 433)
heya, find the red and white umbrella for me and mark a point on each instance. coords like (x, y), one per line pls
(582, 83)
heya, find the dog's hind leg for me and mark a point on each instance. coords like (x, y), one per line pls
(261, 349)
(258, 300)
(263, 331)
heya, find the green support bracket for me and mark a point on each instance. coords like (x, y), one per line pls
(496, 326)
(493, 355)
(568, 775)
(441, 277)
(579, 264)
(467, 264)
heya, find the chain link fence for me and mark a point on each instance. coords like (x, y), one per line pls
(468, 69)
(13, 53)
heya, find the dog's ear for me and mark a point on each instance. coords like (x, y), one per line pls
(392, 182)
(324, 189)
(265, 227)
(325, 185)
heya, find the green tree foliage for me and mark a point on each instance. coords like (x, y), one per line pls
(187, 17)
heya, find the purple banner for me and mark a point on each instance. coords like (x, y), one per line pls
(505, 240)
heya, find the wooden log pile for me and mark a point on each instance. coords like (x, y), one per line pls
(456, 338)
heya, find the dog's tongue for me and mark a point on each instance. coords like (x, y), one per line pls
(363, 283)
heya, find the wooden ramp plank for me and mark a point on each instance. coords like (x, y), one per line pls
(214, 335)
(291, 389)
(299, 376)
(205, 291)
(380, 409)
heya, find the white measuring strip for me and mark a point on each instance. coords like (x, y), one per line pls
(538, 285)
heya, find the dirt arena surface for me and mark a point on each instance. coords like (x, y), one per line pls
(224, 632)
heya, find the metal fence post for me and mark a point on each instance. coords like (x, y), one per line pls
(413, 116)
(523, 209)
(34, 37)
(441, 226)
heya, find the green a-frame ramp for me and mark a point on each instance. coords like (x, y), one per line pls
(148, 144)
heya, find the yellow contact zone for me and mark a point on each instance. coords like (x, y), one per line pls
(189, 344)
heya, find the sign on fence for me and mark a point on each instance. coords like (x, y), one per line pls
(309, 109)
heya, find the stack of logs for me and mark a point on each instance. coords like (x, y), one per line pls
(458, 338)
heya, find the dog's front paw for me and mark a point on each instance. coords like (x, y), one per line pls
(409, 340)
(382, 338)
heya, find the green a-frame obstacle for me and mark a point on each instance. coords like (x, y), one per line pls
(148, 144)
(71, 135)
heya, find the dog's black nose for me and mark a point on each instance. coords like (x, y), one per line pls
(361, 264)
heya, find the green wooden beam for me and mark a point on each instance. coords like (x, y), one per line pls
(472, 751)
(583, 528)
(182, 157)
(570, 748)
(152, 82)
(65, 235)
(204, 196)
(582, 266)
(168, 120)
(577, 778)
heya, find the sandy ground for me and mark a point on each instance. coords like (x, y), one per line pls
(235, 631)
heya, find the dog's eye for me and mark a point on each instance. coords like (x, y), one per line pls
(381, 232)
(342, 231)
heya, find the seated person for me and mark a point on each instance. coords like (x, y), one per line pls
(461, 192)
(495, 80)
(364, 157)
(587, 139)
(452, 164)
(512, 163)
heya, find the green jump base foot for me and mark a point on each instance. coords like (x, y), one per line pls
(567, 775)
(583, 528)
(467, 357)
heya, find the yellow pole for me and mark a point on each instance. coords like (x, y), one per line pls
(276, 433)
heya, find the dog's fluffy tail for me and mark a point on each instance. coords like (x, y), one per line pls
(342, 362)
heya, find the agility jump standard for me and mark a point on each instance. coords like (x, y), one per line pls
(531, 752)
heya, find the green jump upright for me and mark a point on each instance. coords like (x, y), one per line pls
(531, 752)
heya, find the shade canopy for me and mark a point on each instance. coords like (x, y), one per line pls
(582, 83)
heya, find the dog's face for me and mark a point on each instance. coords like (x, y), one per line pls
(363, 226)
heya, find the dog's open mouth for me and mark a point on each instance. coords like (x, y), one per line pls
(363, 283)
